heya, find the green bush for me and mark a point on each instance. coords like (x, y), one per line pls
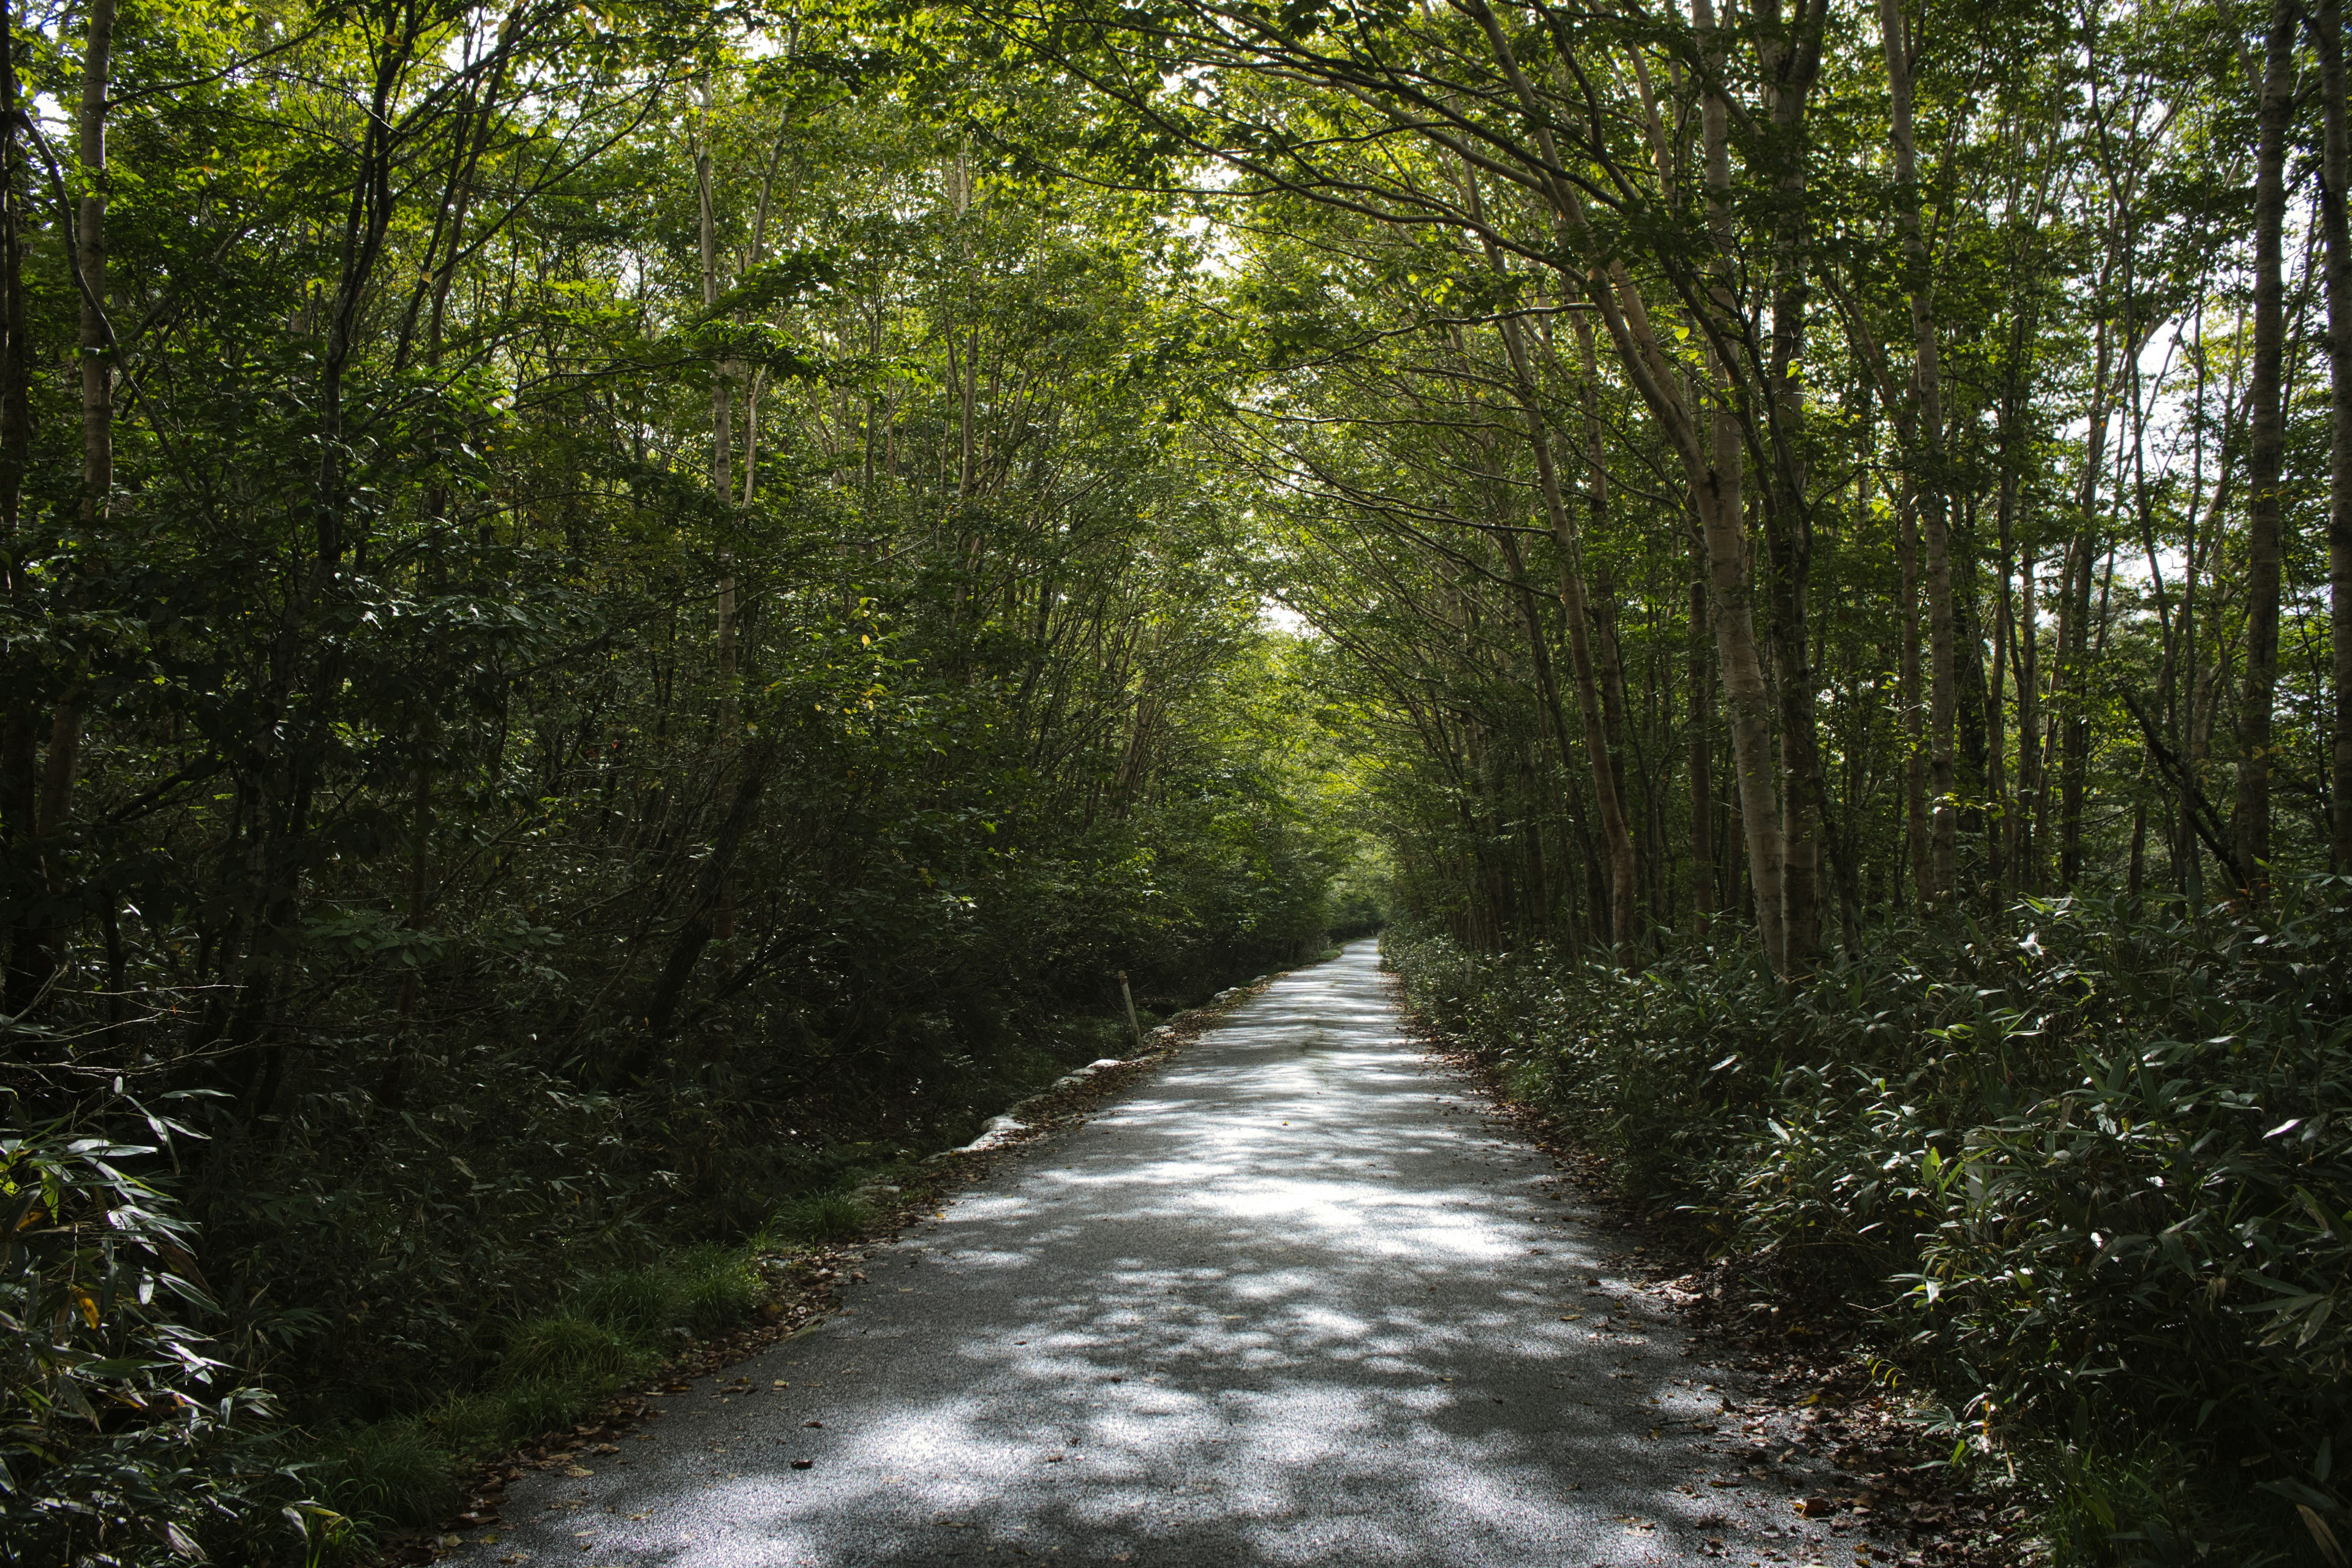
(554, 1371)
(2086, 1172)
(469, 1425)
(527, 1409)
(126, 1436)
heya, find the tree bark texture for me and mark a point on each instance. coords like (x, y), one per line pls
(2266, 449)
(2328, 28)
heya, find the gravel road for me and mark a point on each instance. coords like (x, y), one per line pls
(1292, 1300)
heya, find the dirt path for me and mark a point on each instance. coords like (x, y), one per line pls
(1294, 1299)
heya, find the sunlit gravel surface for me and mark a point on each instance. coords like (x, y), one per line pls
(1294, 1299)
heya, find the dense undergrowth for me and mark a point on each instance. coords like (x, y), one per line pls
(2087, 1175)
(450, 1295)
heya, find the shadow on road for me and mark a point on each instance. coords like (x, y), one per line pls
(1292, 1301)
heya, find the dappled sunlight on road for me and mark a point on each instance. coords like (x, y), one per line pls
(1292, 1301)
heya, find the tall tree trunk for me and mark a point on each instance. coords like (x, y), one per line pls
(2000, 825)
(97, 357)
(63, 759)
(1702, 746)
(722, 418)
(2327, 27)
(1928, 464)
(1724, 514)
(2266, 451)
(2026, 856)
(1711, 458)
(1616, 829)
(2070, 688)
(1747, 704)
(28, 957)
(1907, 679)
(658, 1013)
(1788, 53)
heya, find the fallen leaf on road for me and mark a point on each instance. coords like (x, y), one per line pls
(1815, 1507)
(577, 1470)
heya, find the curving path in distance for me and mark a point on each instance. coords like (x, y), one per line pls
(1292, 1300)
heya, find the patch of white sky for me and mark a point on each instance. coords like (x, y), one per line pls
(1277, 617)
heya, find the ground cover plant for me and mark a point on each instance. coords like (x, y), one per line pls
(2082, 1175)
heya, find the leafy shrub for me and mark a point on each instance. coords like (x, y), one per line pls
(2092, 1173)
(554, 1370)
(125, 1436)
(530, 1407)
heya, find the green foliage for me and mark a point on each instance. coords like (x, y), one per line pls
(2087, 1172)
(126, 1436)
(616, 1325)
(638, 1304)
(716, 1289)
(568, 1349)
(394, 1473)
(822, 1216)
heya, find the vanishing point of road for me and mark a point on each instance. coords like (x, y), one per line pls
(1291, 1299)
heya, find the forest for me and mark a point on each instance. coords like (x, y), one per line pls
(622, 619)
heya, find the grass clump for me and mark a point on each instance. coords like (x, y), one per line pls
(716, 1289)
(566, 1348)
(393, 1474)
(555, 1370)
(819, 1218)
(639, 1304)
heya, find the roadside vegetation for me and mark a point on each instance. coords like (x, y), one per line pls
(2079, 1180)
